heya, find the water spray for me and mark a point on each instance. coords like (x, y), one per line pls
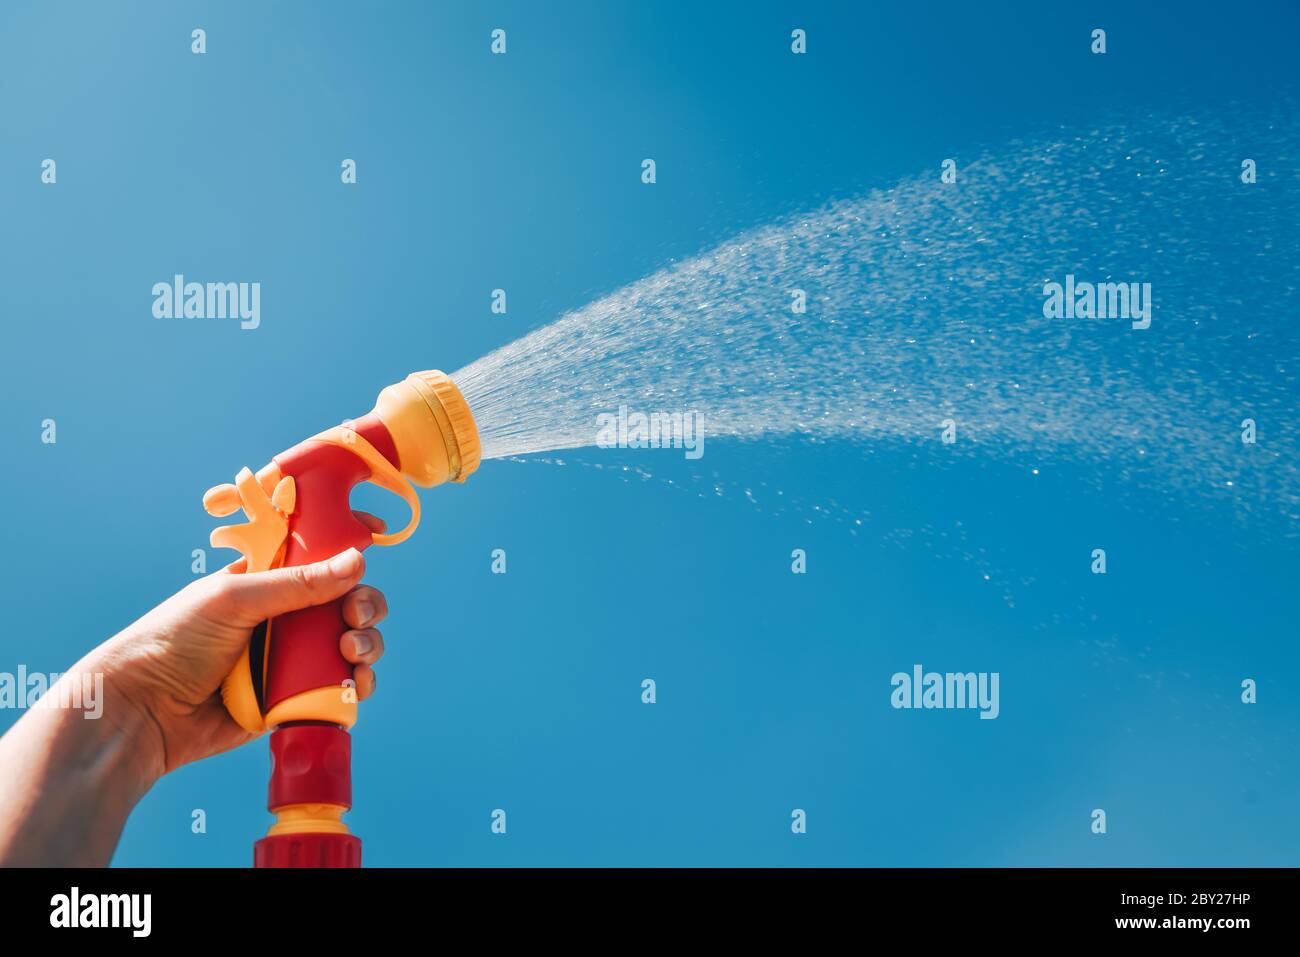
(292, 680)
(903, 315)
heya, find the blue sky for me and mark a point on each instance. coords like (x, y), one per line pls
(523, 691)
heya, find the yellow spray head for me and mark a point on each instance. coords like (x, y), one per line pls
(432, 428)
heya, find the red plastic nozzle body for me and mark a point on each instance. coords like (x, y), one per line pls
(311, 758)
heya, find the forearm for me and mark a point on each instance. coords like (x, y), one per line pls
(67, 780)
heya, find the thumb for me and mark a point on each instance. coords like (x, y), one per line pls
(251, 598)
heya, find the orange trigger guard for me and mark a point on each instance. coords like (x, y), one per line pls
(382, 474)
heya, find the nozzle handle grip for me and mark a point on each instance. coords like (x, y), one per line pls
(299, 512)
(303, 662)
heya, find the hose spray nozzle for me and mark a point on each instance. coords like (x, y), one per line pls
(293, 679)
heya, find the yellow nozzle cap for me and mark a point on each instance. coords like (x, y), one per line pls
(432, 427)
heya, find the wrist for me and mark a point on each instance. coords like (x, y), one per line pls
(126, 725)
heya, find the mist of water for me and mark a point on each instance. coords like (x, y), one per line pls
(925, 304)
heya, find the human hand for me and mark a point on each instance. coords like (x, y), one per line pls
(69, 783)
(169, 665)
